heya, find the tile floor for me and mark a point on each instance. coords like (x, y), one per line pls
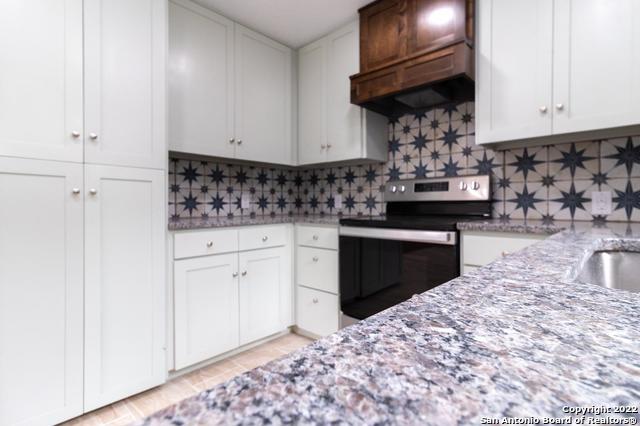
(146, 403)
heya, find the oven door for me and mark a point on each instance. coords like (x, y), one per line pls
(380, 268)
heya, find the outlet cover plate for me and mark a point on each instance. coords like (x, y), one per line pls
(601, 203)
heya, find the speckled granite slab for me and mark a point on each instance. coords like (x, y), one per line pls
(515, 338)
(224, 222)
(515, 226)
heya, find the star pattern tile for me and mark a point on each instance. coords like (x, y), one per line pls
(546, 183)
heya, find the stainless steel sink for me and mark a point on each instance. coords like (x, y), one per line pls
(612, 269)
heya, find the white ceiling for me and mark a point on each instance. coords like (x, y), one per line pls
(291, 22)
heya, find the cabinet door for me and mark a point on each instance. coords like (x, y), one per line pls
(41, 75)
(125, 45)
(343, 118)
(318, 312)
(206, 307)
(201, 92)
(312, 103)
(40, 292)
(596, 65)
(514, 77)
(124, 282)
(265, 293)
(263, 98)
(384, 34)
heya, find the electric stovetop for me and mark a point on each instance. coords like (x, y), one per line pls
(431, 223)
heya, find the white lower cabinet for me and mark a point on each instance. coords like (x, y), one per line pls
(206, 308)
(317, 311)
(41, 282)
(317, 302)
(265, 295)
(225, 300)
(124, 282)
(480, 248)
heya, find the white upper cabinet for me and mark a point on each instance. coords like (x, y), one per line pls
(230, 88)
(125, 331)
(125, 44)
(201, 81)
(514, 81)
(330, 128)
(312, 102)
(41, 79)
(344, 127)
(263, 98)
(41, 296)
(555, 68)
(596, 64)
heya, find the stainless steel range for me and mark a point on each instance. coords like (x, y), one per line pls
(386, 260)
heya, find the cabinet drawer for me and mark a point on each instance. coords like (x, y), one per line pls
(317, 236)
(262, 237)
(318, 312)
(482, 248)
(202, 243)
(317, 268)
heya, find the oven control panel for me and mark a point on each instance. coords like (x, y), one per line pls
(459, 188)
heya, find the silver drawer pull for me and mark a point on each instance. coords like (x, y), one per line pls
(235, 274)
(265, 238)
(315, 258)
(315, 300)
(315, 238)
(244, 273)
(209, 244)
(75, 191)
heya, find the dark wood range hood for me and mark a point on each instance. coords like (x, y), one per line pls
(414, 54)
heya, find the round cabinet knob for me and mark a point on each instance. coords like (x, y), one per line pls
(244, 273)
(75, 134)
(209, 244)
(543, 109)
(315, 259)
(329, 145)
(315, 300)
(93, 191)
(235, 274)
(265, 238)
(463, 186)
(394, 189)
(232, 140)
(475, 185)
(559, 107)
(402, 189)
(505, 253)
(239, 142)
(323, 146)
(93, 136)
(75, 191)
(315, 238)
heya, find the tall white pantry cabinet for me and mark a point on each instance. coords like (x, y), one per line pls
(82, 210)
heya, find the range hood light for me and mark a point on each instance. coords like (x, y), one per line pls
(439, 17)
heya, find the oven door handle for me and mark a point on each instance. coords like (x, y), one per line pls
(432, 237)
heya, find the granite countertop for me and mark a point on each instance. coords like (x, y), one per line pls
(182, 224)
(489, 225)
(514, 338)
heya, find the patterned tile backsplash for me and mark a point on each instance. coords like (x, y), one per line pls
(551, 182)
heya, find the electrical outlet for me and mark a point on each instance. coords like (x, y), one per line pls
(601, 204)
(245, 201)
(338, 201)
